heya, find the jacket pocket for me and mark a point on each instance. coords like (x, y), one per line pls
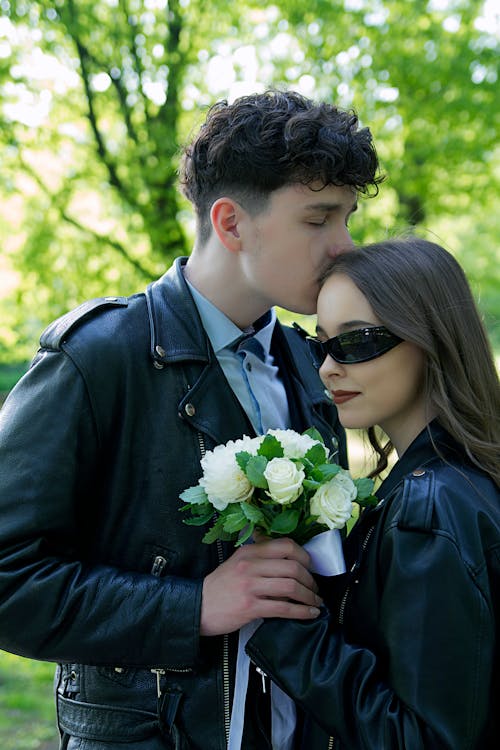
(104, 723)
(119, 675)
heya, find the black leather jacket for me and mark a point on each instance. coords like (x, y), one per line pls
(407, 657)
(97, 441)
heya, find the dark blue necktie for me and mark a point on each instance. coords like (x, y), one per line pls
(252, 345)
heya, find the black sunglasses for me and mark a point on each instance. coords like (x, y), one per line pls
(352, 347)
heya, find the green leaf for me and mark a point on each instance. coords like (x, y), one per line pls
(194, 495)
(328, 471)
(242, 459)
(252, 513)
(364, 487)
(314, 434)
(255, 471)
(217, 532)
(285, 522)
(246, 535)
(234, 521)
(316, 454)
(311, 484)
(367, 502)
(198, 510)
(199, 520)
(271, 448)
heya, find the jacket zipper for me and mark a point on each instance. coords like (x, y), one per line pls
(225, 637)
(370, 531)
(348, 589)
(159, 565)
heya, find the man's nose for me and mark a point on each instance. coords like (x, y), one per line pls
(341, 242)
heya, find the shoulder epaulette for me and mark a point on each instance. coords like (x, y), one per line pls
(59, 329)
(417, 503)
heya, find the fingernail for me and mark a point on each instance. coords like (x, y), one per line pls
(314, 611)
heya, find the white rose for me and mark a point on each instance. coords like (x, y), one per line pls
(332, 502)
(223, 480)
(294, 444)
(284, 480)
(249, 444)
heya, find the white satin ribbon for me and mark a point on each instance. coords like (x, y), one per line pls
(327, 559)
(325, 551)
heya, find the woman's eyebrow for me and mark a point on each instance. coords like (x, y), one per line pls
(348, 325)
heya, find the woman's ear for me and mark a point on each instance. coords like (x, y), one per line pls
(225, 215)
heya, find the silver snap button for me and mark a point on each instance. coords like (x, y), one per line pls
(119, 670)
(160, 351)
(158, 365)
(73, 676)
(190, 410)
(418, 472)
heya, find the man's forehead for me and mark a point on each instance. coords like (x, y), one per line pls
(316, 194)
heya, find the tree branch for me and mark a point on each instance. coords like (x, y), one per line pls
(135, 54)
(86, 58)
(100, 238)
(104, 240)
(101, 148)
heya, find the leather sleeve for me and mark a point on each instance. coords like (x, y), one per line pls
(54, 605)
(431, 688)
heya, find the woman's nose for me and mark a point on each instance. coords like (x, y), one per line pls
(329, 369)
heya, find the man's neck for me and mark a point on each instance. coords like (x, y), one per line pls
(216, 274)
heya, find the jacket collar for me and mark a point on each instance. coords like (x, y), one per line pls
(431, 444)
(176, 332)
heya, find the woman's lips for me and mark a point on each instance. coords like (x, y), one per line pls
(340, 397)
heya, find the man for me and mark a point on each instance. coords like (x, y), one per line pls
(97, 570)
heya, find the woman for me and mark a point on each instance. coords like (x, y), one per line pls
(406, 655)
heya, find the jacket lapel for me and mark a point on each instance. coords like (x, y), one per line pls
(209, 404)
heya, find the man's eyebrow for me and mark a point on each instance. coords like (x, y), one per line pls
(330, 207)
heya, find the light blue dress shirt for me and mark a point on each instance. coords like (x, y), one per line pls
(255, 382)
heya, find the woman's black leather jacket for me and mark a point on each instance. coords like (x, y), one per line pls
(407, 656)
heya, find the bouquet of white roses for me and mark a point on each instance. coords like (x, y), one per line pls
(281, 483)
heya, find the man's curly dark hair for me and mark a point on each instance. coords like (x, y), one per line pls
(262, 142)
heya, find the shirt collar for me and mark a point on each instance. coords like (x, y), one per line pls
(222, 332)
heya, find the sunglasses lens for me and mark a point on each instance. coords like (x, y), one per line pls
(317, 351)
(356, 346)
(363, 344)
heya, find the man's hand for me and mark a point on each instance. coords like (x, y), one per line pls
(268, 579)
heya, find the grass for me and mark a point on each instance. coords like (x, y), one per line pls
(10, 374)
(27, 712)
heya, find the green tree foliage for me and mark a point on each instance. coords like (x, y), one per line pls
(424, 74)
(89, 180)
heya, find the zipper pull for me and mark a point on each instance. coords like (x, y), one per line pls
(158, 566)
(263, 677)
(158, 673)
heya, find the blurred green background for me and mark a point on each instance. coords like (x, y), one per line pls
(96, 100)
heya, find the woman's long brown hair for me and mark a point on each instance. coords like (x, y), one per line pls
(419, 291)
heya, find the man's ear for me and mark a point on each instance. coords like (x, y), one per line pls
(225, 215)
